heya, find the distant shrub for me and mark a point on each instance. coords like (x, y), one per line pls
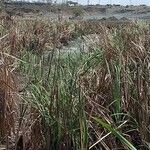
(1, 6)
(78, 11)
(109, 5)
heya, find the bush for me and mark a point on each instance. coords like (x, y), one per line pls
(1, 6)
(78, 11)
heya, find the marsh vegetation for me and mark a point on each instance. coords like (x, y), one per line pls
(95, 98)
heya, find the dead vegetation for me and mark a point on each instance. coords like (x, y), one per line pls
(98, 99)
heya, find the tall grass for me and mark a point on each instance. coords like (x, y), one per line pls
(61, 92)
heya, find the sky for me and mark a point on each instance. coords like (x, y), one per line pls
(122, 2)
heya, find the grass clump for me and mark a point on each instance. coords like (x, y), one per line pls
(62, 94)
(78, 11)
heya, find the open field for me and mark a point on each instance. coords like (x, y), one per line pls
(51, 11)
(74, 84)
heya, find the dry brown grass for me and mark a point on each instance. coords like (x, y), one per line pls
(110, 81)
(8, 101)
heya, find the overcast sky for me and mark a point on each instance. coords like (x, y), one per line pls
(123, 2)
